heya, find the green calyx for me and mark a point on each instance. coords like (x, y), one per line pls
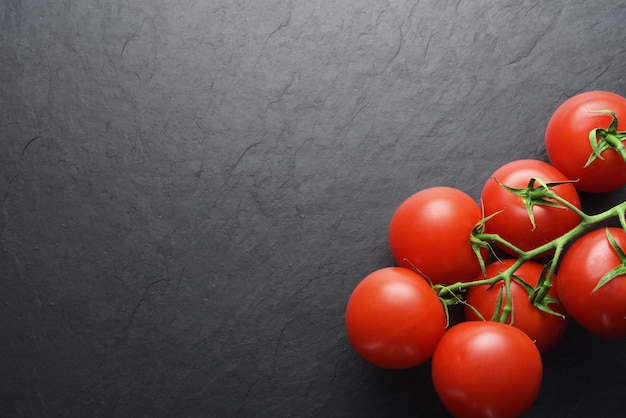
(539, 296)
(537, 193)
(602, 139)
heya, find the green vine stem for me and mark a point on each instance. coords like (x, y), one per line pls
(449, 294)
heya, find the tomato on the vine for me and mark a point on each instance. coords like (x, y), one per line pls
(513, 223)
(601, 310)
(394, 319)
(486, 369)
(430, 232)
(568, 142)
(544, 328)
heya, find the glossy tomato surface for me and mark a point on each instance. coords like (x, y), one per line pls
(394, 319)
(568, 146)
(545, 329)
(514, 224)
(602, 312)
(486, 369)
(430, 231)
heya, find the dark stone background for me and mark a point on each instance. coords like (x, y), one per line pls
(191, 190)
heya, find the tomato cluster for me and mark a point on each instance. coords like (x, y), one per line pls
(521, 264)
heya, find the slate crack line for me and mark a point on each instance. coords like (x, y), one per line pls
(245, 397)
(396, 52)
(33, 139)
(243, 154)
(141, 301)
(281, 26)
(278, 343)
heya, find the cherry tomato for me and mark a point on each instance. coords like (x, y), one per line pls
(486, 369)
(514, 223)
(569, 147)
(394, 319)
(545, 329)
(603, 311)
(430, 231)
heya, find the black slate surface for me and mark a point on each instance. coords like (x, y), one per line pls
(191, 190)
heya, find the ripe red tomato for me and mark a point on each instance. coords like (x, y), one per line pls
(514, 223)
(542, 327)
(568, 144)
(394, 319)
(486, 369)
(602, 312)
(430, 231)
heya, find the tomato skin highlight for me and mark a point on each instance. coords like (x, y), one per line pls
(431, 229)
(486, 369)
(602, 312)
(394, 319)
(545, 329)
(513, 224)
(567, 141)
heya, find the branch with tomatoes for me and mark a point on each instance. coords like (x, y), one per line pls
(520, 264)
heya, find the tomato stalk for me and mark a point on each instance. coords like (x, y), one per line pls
(507, 309)
(540, 195)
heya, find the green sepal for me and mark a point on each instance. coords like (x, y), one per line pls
(542, 303)
(544, 283)
(610, 275)
(476, 311)
(540, 195)
(602, 139)
(545, 303)
(451, 299)
(616, 247)
(478, 244)
(420, 272)
(618, 270)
